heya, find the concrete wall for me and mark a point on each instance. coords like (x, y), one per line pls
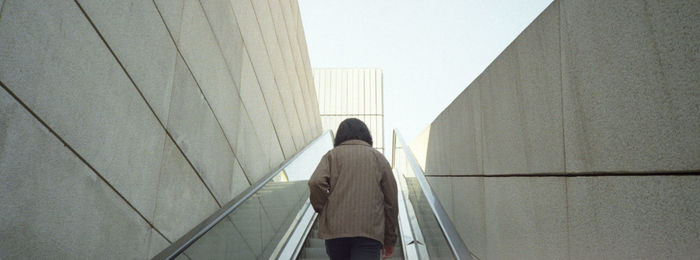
(580, 140)
(126, 123)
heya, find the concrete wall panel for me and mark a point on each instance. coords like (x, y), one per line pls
(630, 80)
(307, 118)
(653, 217)
(182, 200)
(303, 65)
(52, 201)
(286, 90)
(442, 187)
(204, 58)
(196, 131)
(228, 35)
(262, 122)
(250, 152)
(463, 200)
(135, 32)
(457, 152)
(521, 103)
(202, 54)
(419, 146)
(588, 91)
(171, 12)
(119, 83)
(55, 63)
(469, 215)
(255, 46)
(526, 218)
(310, 82)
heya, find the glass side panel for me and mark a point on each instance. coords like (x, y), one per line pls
(433, 238)
(253, 229)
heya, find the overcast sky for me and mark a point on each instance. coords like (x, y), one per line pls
(429, 50)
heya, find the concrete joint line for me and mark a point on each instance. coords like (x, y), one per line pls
(592, 174)
(94, 27)
(81, 158)
(267, 50)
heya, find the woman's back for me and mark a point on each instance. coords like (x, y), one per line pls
(358, 177)
(354, 192)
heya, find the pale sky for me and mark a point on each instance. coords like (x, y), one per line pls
(430, 51)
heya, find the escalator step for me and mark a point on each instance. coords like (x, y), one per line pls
(317, 242)
(315, 252)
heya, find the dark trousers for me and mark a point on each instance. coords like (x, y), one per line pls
(353, 248)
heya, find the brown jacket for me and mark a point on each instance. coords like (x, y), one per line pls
(354, 191)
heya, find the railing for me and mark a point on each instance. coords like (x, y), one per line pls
(253, 224)
(430, 224)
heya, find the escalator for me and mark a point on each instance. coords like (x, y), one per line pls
(273, 219)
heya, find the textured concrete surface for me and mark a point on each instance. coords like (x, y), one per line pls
(290, 65)
(463, 200)
(52, 201)
(526, 218)
(630, 80)
(255, 46)
(442, 187)
(305, 67)
(171, 12)
(197, 132)
(262, 122)
(469, 217)
(101, 76)
(419, 146)
(55, 63)
(589, 88)
(457, 153)
(521, 103)
(228, 35)
(286, 89)
(201, 52)
(182, 200)
(249, 151)
(135, 32)
(652, 217)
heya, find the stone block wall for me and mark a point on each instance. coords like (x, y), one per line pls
(581, 140)
(126, 123)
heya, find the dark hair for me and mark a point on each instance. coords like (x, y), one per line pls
(352, 129)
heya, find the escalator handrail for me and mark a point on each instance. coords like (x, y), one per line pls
(459, 249)
(198, 231)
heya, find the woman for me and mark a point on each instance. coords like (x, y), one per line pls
(354, 191)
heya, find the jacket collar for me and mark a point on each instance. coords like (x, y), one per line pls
(355, 142)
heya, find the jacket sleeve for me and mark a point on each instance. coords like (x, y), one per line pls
(319, 183)
(391, 203)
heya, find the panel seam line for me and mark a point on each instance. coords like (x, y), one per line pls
(80, 157)
(94, 27)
